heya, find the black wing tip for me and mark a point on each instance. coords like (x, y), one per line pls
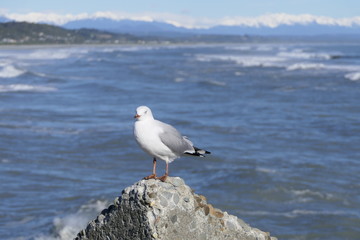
(198, 152)
(201, 151)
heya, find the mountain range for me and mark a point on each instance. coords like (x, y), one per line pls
(153, 28)
(159, 28)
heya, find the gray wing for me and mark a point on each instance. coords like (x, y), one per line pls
(173, 139)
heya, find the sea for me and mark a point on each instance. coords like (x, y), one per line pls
(281, 120)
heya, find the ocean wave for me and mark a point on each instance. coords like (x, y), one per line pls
(246, 61)
(266, 170)
(307, 193)
(301, 54)
(138, 48)
(295, 213)
(26, 88)
(4, 160)
(55, 131)
(9, 71)
(45, 54)
(214, 83)
(179, 79)
(259, 48)
(240, 48)
(109, 50)
(264, 48)
(305, 66)
(355, 76)
(39, 74)
(289, 61)
(69, 226)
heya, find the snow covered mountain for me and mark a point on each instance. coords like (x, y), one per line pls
(155, 27)
(125, 26)
(272, 24)
(4, 19)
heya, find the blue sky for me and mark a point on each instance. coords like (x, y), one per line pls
(193, 8)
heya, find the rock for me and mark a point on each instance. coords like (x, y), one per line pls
(151, 209)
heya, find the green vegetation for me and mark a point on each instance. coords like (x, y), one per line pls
(22, 33)
(31, 33)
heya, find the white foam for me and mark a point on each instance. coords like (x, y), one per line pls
(305, 66)
(9, 71)
(264, 48)
(69, 226)
(246, 61)
(216, 83)
(137, 48)
(108, 50)
(335, 67)
(355, 76)
(39, 74)
(4, 160)
(266, 170)
(300, 54)
(312, 194)
(44, 54)
(25, 88)
(179, 79)
(241, 48)
(294, 213)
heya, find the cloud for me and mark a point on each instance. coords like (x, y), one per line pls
(268, 20)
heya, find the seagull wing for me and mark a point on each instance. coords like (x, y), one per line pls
(173, 139)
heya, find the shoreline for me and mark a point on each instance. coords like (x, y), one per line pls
(184, 44)
(269, 41)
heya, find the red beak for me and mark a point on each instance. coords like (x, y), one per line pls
(136, 116)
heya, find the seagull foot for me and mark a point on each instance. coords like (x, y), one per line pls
(162, 178)
(152, 176)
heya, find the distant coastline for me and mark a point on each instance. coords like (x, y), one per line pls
(26, 34)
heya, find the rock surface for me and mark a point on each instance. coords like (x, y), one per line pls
(151, 209)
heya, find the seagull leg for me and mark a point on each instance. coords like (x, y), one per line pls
(163, 178)
(152, 176)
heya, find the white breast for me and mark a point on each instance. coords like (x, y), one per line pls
(147, 136)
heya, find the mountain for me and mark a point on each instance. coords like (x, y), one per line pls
(34, 33)
(145, 28)
(4, 19)
(106, 30)
(126, 26)
(278, 24)
(286, 30)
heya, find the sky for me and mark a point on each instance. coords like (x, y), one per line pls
(183, 12)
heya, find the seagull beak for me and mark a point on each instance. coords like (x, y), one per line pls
(136, 116)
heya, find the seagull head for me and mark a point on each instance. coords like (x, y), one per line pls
(142, 113)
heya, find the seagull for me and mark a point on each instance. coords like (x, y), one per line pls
(161, 141)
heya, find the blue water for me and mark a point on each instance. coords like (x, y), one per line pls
(282, 122)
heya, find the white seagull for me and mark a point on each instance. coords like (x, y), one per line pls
(161, 140)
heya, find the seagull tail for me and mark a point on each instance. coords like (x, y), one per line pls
(198, 152)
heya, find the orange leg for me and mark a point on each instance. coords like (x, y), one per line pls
(163, 178)
(153, 175)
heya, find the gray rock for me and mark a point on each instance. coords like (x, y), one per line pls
(151, 209)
